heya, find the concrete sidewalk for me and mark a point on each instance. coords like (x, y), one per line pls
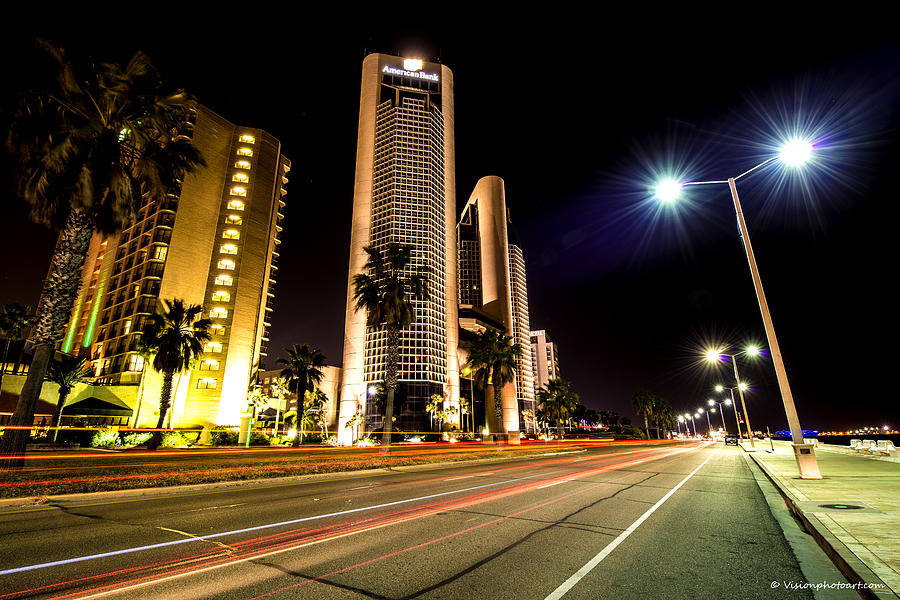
(853, 511)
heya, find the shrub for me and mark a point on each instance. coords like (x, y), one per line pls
(366, 442)
(224, 437)
(105, 437)
(258, 438)
(135, 438)
(174, 439)
(331, 440)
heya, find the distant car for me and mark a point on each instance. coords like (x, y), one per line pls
(731, 439)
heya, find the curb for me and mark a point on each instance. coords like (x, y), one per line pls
(843, 558)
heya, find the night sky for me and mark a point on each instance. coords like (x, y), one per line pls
(579, 116)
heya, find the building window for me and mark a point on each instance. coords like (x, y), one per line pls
(226, 263)
(135, 363)
(228, 249)
(242, 164)
(212, 347)
(231, 234)
(233, 220)
(245, 152)
(218, 313)
(159, 252)
(223, 279)
(217, 329)
(221, 296)
(241, 178)
(247, 139)
(209, 365)
(206, 383)
(238, 190)
(235, 204)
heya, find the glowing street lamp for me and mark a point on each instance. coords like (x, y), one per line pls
(794, 153)
(712, 402)
(716, 355)
(688, 427)
(722, 388)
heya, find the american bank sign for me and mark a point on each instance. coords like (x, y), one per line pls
(415, 74)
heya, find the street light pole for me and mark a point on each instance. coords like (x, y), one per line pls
(793, 153)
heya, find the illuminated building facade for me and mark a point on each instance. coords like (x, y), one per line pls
(405, 192)
(214, 243)
(492, 289)
(544, 358)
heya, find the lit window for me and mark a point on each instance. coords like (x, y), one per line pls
(228, 249)
(238, 190)
(245, 152)
(217, 329)
(206, 383)
(224, 280)
(221, 296)
(209, 365)
(231, 234)
(159, 252)
(233, 220)
(212, 347)
(127, 328)
(235, 204)
(247, 139)
(136, 363)
(218, 313)
(241, 177)
(226, 263)
(242, 164)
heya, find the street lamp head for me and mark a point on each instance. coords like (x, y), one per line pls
(681, 418)
(668, 190)
(700, 411)
(744, 387)
(687, 415)
(697, 415)
(796, 152)
(714, 355)
(720, 388)
(711, 402)
(752, 351)
(712, 410)
(727, 402)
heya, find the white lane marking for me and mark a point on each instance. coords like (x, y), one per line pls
(540, 487)
(569, 583)
(485, 474)
(456, 478)
(245, 530)
(362, 487)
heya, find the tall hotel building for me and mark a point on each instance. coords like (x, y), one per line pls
(492, 289)
(544, 358)
(405, 192)
(213, 243)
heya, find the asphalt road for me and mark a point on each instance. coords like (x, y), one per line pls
(674, 521)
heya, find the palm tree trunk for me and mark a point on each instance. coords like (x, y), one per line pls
(390, 381)
(498, 405)
(3, 364)
(63, 394)
(57, 298)
(646, 427)
(165, 400)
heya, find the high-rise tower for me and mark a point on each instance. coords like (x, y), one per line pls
(492, 289)
(405, 192)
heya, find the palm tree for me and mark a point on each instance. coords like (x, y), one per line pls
(174, 337)
(558, 402)
(14, 319)
(385, 291)
(89, 150)
(642, 403)
(303, 370)
(659, 409)
(493, 359)
(67, 372)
